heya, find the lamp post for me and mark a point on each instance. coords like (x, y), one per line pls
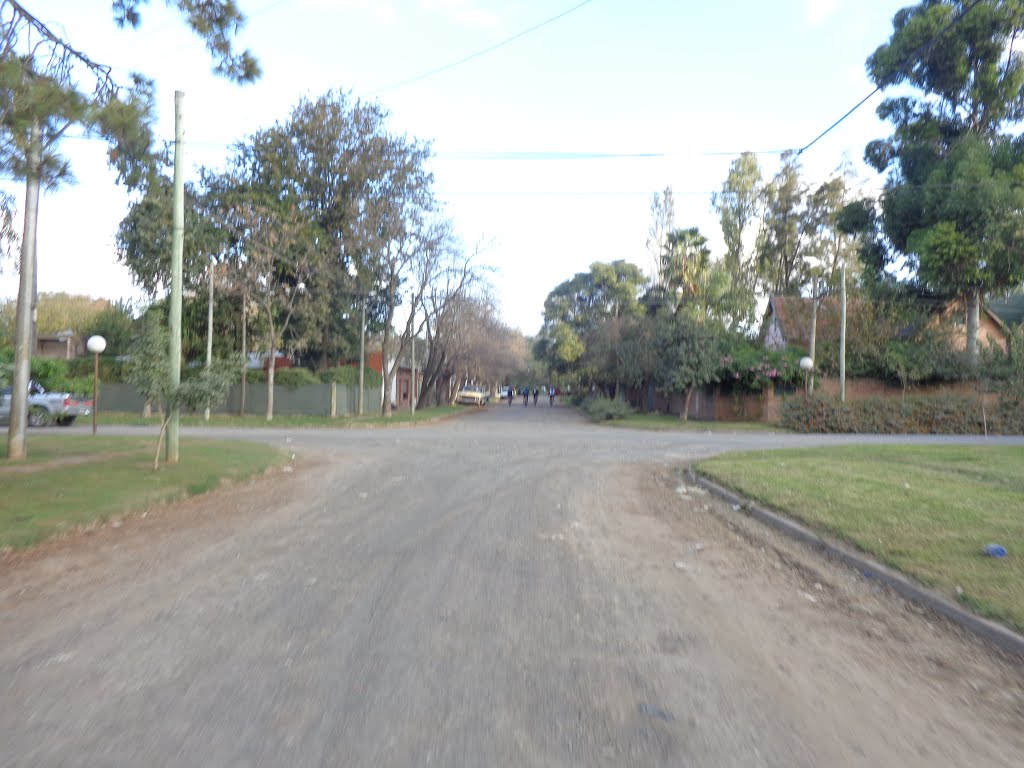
(806, 365)
(96, 345)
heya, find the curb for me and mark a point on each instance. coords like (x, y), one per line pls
(1002, 637)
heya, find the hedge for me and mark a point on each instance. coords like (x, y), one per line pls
(931, 415)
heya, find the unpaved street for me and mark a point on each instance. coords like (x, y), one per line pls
(513, 587)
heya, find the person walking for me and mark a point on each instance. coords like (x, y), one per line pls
(551, 397)
(511, 394)
(536, 394)
(526, 396)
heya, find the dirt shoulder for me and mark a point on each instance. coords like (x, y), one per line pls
(818, 644)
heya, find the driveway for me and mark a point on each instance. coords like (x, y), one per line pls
(512, 587)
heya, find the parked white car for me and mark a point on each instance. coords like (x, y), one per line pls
(473, 395)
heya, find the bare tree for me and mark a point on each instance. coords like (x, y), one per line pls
(279, 251)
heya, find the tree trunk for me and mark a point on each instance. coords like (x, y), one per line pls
(245, 357)
(271, 366)
(973, 326)
(814, 335)
(24, 319)
(684, 415)
(389, 376)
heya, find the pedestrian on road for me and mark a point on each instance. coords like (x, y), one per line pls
(526, 396)
(511, 394)
(551, 397)
(536, 394)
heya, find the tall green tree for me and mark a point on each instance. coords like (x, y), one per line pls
(693, 282)
(663, 216)
(953, 202)
(690, 355)
(575, 312)
(46, 87)
(739, 205)
(780, 246)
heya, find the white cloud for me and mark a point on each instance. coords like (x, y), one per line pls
(463, 11)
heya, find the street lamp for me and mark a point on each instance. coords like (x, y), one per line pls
(806, 365)
(96, 345)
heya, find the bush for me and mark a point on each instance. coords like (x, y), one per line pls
(55, 376)
(348, 376)
(931, 415)
(750, 368)
(603, 409)
(293, 378)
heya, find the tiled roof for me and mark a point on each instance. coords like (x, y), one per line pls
(1010, 310)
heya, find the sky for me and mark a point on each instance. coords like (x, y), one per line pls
(547, 149)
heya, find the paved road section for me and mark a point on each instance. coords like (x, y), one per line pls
(513, 587)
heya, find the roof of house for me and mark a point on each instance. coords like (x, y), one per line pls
(1010, 310)
(793, 315)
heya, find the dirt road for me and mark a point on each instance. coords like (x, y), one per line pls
(513, 587)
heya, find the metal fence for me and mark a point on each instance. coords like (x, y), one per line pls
(327, 400)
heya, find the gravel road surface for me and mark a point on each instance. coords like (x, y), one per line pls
(511, 587)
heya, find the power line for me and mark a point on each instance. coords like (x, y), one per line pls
(481, 52)
(910, 57)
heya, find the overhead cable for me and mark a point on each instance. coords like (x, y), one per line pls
(481, 52)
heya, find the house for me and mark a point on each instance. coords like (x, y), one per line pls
(787, 323)
(991, 330)
(401, 385)
(64, 345)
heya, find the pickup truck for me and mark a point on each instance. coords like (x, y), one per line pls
(46, 407)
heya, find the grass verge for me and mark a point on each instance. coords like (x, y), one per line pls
(398, 418)
(95, 479)
(669, 423)
(926, 510)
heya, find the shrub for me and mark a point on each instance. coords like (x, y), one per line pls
(935, 415)
(293, 378)
(751, 368)
(348, 375)
(603, 409)
(55, 376)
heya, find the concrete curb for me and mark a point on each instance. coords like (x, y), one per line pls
(1002, 637)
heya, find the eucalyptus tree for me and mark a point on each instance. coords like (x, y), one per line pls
(663, 213)
(47, 86)
(739, 205)
(780, 245)
(953, 207)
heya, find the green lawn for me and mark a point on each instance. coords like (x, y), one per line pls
(102, 477)
(925, 510)
(667, 422)
(398, 418)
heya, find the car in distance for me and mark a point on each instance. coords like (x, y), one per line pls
(473, 395)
